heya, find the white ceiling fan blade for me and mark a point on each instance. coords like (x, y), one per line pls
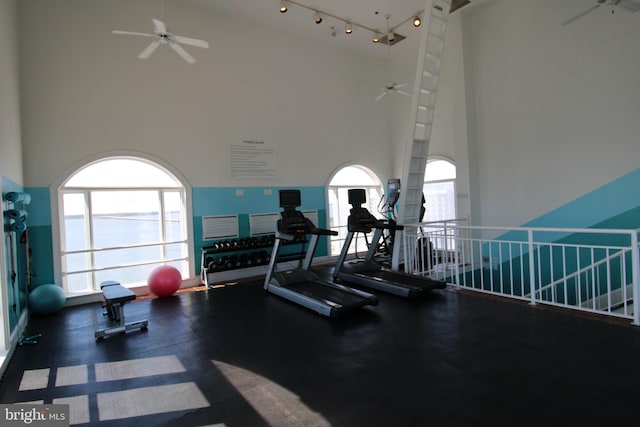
(379, 97)
(191, 42)
(133, 33)
(398, 86)
(159, 26)
(183, 53)
(149, 50)
(580, 15)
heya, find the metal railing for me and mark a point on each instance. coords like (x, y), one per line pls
(594, 270)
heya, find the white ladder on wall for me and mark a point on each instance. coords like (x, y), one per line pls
(425, 90)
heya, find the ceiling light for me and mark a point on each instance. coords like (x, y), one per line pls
(417, 21)
(391, 36)
(283, 6)
(376, 38)
(348, 28)
(317, 18)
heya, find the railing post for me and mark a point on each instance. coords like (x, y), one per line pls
(635, 272)
(532, 267)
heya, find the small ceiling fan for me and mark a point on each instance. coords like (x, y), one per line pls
(626, 5)
(391, 86)
(163, 36)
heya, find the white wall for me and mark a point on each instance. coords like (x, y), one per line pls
(87, 92)
(553, 109)
(11, 157)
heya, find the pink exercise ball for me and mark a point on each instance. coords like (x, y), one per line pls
(164, 281)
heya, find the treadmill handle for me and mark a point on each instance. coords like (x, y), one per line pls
(324, 232)
(389, 226)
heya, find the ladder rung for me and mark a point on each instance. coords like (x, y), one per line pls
(433, 55)
(427, 73)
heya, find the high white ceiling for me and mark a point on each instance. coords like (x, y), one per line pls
(299, 21)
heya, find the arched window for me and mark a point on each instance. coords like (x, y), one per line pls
(439, 190)
(352, 176)
(120, 218)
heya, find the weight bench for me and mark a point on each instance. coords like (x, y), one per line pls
(115, 297)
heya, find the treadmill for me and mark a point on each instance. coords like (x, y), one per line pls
(367, 272)
(301, 285)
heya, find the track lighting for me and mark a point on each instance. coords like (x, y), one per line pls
(389, 36)
(348, 29)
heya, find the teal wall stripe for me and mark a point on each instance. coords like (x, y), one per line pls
(598, 206)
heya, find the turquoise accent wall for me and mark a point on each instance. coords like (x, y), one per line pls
(210, 201)
(609, 206)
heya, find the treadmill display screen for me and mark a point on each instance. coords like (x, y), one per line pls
(289, 198)
(357, 196)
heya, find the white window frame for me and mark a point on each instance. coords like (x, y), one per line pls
(441, 181)
(58, 189)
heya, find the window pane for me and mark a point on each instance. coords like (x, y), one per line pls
(352, 175)
(79, 283)
(176, 250)
(122, 218)
(127, 256)
(76, 262)
(173, 216)
(440, 169)
(75, 222)
(440, 201)
(125, 173)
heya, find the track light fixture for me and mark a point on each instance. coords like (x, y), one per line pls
(348, 29)
(319, 17)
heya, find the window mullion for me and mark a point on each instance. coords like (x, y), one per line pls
(163, 236)
(89, 230)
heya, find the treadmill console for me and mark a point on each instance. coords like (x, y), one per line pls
(360, 219)
(292, 221)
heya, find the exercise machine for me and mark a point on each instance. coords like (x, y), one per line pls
(301, 285)
(368, 272)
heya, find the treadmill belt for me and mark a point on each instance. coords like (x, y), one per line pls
(321, 292)
(404, 279)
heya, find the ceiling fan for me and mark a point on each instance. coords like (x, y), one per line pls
(163, 36)
(626, 5)
(391, 87)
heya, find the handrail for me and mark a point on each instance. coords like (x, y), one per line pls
(519, 261)
(581, 271)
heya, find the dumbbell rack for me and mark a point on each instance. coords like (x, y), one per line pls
(237, 258)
